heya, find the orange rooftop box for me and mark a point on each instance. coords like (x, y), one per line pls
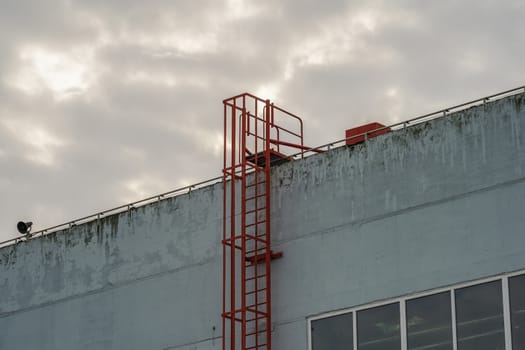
(361, 130)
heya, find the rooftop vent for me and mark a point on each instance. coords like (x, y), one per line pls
(351, 134)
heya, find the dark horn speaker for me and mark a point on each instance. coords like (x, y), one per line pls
(24, 227)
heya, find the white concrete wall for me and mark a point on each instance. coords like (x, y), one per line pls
(146, 279)
(429, 206)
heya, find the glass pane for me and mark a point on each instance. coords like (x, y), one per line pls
(479, 317)
(429, 322)
(378, 328)
(517, 310)
(333, 333)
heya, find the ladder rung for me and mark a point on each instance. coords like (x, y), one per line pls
(256, 223)
(256, 346)
(255, 184)
(249, 133)
(257, 312)
(263, 315)
(230, 315)
(255, 319)
(255, 166)
(258, 304)
(239, 237)
(250, 236)
(256, 291)
(255, 250)
(228, 243)
(262, 331)
(254, 210)
(232, 238)
(255, 277)
(255, 197)
(254, 238)
(228, 170)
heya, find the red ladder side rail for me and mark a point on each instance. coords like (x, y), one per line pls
(253, 139)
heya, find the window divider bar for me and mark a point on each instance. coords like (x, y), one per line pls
(354, 329)
(453, 314)
(507, 322)
(309, 334)
(403, 324)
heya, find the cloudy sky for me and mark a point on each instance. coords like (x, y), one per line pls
(103, 102)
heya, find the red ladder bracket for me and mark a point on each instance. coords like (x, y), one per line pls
(260, 258)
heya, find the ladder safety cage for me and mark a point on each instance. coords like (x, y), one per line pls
(257, 135)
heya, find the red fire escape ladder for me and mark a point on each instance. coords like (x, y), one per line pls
(257, 134)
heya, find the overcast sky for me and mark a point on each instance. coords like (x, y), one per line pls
(103, 102)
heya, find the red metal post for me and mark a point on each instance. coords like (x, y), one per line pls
(224, 216)
(267, 233)
(233, 231)
(243, 223)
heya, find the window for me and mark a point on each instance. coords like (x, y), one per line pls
(517, 311)
(333, 333)
(429, 322)
(479, 317)
(378, 328)
(484, 316)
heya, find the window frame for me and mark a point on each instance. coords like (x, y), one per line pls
(446, 294)
(401, 300)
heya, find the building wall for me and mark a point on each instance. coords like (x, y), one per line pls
(432, 205)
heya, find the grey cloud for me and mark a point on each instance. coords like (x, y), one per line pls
(135, 127)
(52, 22)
